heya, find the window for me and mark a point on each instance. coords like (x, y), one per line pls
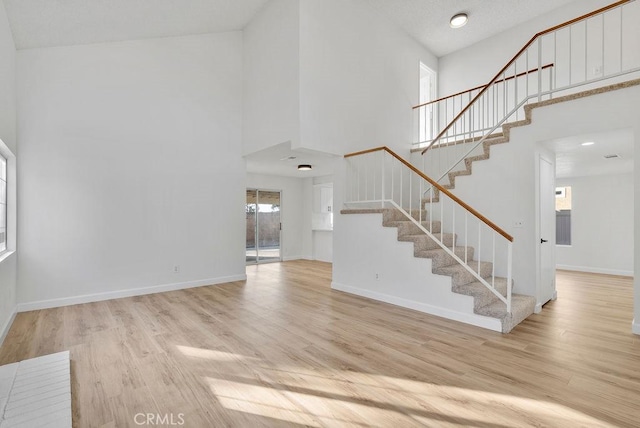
(3, 203)
(563, 215)
(427, 93)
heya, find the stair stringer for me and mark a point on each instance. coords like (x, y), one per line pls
(403, 280)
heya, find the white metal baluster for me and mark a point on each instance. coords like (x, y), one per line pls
(358, 160)
(366, 178)
(373, 177)
(420, 194)
(539, 69)
(466, 237)
(495, 103)
(550, 82)
(431, 209)
(401, 186)
(506, 97)
(509, 273)
(392, 177)
(479, 243)
(555, 59)
(603, 45)
(493, 266)
(570, 49)
(527, 67)
(453, 227)
(621, 44)
(441, 217)
(586, 43)
(382, 154)
(515, 87)
(410, 193)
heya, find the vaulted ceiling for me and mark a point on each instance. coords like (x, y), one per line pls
(44, 23)
(428, 20)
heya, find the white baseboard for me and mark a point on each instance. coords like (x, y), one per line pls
(98, 297)
(473, 319)
(7, 326)
(635, 326)
(589, 269)
(289, 258)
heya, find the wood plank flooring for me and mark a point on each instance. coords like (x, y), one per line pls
(283, 349)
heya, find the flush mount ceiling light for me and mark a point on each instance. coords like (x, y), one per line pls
(304, 167)
(458, 20)
(588, 143)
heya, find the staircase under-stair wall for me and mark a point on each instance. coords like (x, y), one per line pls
(390, 259)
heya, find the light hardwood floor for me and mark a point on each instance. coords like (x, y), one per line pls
(284, 349)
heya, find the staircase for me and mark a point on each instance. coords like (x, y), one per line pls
(462, 245)
(474, 253)
(462, 281)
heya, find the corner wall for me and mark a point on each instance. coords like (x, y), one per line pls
(271, 77)
(359, 78)
(130, 165)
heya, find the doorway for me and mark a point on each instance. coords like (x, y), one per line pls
(547, 235)
(264, 227)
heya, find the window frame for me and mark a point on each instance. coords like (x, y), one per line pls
(10, 206)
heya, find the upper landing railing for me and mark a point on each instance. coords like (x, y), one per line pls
(433, 115)
(586, 52)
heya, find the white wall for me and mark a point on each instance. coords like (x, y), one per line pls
(291, 212)
(271, 77)
(601, 225)
(488, 56)
(8, 136)
(130, 164)
(359, 78)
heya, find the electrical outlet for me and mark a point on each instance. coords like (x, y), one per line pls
(176, 269)
(377, 277)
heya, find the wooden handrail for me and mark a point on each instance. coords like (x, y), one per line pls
(525, 47)
(533, 70)
(437, 186)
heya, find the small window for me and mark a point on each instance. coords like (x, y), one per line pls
(3, 203)
(563, 216)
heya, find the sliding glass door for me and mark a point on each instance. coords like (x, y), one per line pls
(263, 226)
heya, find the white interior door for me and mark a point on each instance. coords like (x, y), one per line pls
(547, 239)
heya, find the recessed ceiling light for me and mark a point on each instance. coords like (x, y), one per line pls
(458, 20)
(588, 143)
(304, 167)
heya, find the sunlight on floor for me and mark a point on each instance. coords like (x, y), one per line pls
(212, 355)
(346, 397)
